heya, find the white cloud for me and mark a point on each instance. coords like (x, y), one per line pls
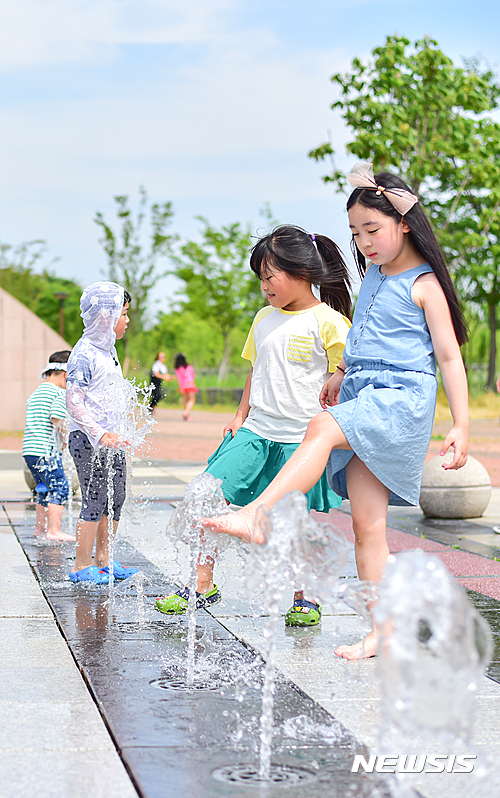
(44, 32)
(221, 126)
(247, 102)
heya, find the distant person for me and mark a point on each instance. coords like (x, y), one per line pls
(44, 438)
(294, 343)
(159, 372)
(187, 388)
(97, 407)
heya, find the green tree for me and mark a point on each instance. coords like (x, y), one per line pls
(218, 283)
(413, 110)
(20, 277)
(130, 262)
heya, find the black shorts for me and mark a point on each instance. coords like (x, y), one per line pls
(96, 468)
(156, 393)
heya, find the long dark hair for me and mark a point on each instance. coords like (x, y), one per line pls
(421, 236)
(180, 361)
(316, 259)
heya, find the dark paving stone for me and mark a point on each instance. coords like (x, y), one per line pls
(166, 463)
(163, 480)
(173, 737)
(490, 610)
(158, 774)
(442, 530)
(52, 563)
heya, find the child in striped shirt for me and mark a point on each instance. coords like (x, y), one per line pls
(45, 418)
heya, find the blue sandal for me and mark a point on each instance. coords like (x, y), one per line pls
(119, 571)
(90, 574)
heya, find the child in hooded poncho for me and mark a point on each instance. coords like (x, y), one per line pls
(96, 407)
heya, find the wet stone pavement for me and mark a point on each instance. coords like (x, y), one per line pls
(200, 741)
(203, 742)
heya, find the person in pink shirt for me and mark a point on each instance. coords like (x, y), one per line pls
(187, 388)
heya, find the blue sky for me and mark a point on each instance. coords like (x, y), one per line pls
(212, 104)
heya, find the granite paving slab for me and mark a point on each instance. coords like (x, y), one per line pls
(191, 741)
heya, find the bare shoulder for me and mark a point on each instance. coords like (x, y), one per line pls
(426, 288)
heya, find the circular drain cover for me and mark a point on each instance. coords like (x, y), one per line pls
(285, 775)
(180, 683)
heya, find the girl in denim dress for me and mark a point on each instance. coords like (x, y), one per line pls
(380, 402)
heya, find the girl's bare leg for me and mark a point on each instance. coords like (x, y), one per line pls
(189, 400)
(85, 538)
(205, 576)
(41, 520)
(88, 533)
(300, 472)
(54, 524)
(369, 501)
(101, 558)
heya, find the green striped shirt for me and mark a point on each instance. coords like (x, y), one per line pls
(48, 401)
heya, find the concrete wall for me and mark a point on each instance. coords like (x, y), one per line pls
(25, 345)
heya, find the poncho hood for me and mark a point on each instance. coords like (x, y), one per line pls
(101, 305)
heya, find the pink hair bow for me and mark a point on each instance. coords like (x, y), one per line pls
(362, 177)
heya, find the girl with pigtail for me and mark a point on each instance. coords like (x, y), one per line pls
(380, 402)
(294, 343)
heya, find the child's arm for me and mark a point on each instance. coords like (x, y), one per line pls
(334, 329)
(60, 425)
(329, 395)
(428, 294)
(159, 376)
(78, 380)
(243, 409)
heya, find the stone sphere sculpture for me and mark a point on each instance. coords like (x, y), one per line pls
(454, 494)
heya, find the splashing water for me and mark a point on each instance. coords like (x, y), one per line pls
(360, 596)
(434, 647)
(62, 435)
(136, 581)
(110, 458)
(299, 553)
(68, 469)
(131, 399)
(203, 498)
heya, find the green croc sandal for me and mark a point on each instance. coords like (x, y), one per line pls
(177, 603)
(303, 613)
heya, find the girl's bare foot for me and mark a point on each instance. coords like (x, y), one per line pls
(237, 524)
(62, 536)
(364, 649)
(39, 533)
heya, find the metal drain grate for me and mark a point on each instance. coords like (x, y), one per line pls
(285, 775)
(179, 683)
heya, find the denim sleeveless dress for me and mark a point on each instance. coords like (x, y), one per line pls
(388, 395)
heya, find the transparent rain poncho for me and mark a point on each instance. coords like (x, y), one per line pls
(94, 399)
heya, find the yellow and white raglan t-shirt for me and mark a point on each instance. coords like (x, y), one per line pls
(292, 354)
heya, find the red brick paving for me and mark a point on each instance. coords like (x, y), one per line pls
(471, 570)
(194, 441)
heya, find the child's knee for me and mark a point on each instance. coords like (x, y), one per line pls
(320, 426)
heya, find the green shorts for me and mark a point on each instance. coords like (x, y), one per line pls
(247, 463)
